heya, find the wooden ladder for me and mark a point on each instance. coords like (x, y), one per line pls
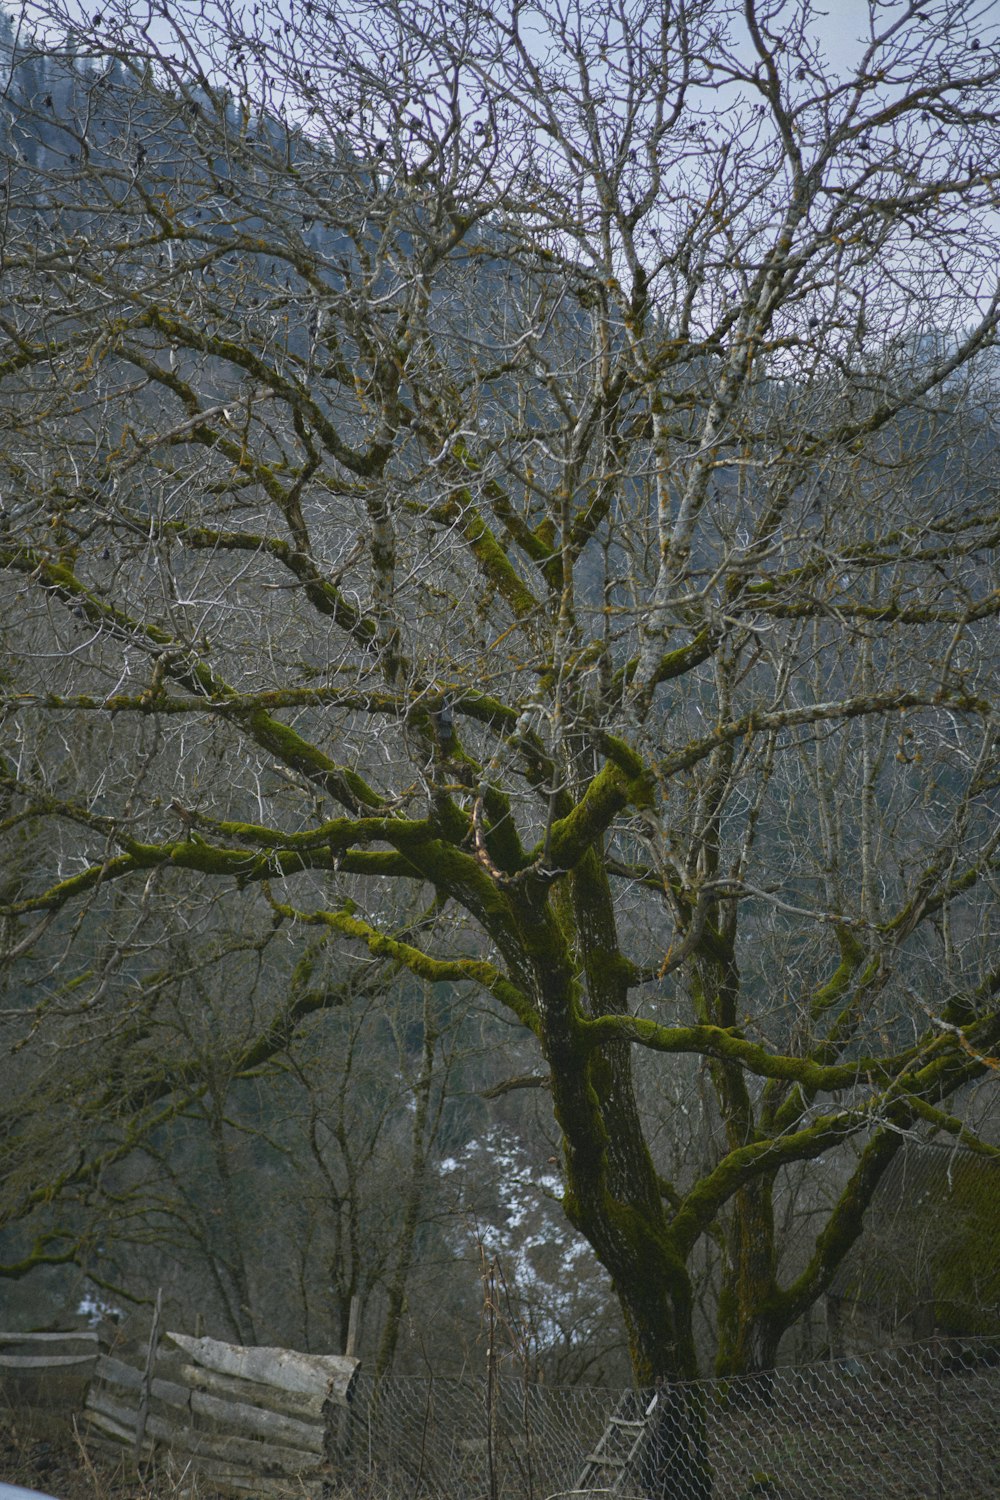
(613, 1461)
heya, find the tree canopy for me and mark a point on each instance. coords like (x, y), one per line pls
(511, 491)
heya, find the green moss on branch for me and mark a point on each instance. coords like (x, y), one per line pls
(424, 965)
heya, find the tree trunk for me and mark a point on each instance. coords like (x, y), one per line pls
(749, 1325)
(413, 1198)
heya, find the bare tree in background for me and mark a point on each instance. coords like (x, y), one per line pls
(541, 458)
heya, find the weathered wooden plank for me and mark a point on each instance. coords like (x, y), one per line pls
(251, 1419)
(240, 1481)
(100, 1400)
(329, 1374)
(111, 1415)
(102, 1433)
(260, 1457)
(117, 1372)
(84, 1335)
(106, 1424)
(289, 1403)
(265, 1458)
(171, 1394)
(244, 1416)
(236, 1479)
(43, 1361)
(106, 1435)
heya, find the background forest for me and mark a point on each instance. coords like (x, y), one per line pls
(499, 691)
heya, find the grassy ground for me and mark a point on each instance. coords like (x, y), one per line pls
(41, 1451)
(942, 1449)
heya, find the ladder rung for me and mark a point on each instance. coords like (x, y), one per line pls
(602, 1460)
(630, 1423)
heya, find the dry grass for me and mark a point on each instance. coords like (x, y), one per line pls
(42, 1450)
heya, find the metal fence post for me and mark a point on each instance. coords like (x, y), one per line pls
(938, 1420)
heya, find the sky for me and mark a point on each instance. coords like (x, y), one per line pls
(841, 25)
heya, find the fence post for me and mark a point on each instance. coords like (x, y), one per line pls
(675, 1463)
(147, 1379)
(489, 1277)
(938, 1419)
(339, 1430)
(353, 1321)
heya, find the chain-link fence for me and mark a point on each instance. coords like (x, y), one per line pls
(915, 1423)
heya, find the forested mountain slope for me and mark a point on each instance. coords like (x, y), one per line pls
(499, 515)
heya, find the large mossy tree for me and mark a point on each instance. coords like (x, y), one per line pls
(541, 459)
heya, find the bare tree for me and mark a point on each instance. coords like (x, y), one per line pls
(248, 1128)
(543, 454)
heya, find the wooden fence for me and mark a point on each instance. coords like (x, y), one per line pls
(258, 1420)
(47, 1370)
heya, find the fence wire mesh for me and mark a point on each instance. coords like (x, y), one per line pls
(914, 1423)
